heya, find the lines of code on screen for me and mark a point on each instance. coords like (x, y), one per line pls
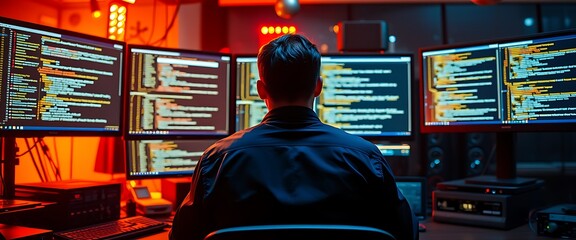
(178, 94)
(367, 95)
(161, 158)
(56, 82)
(540, 81)
(523, 82)
(461, 86)
(250, 109)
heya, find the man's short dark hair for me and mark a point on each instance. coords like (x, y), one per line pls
(289, 66)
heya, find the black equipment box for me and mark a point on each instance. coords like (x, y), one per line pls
(485, 205)
(558, 221)
(77, 202)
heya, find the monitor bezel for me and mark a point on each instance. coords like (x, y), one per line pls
(74, 131)
(492, 127)
(412, 91)
(230, 111)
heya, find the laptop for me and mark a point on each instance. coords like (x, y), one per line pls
(414, 189)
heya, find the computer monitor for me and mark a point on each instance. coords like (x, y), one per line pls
(55, 82)
(58, 83)
(177, 93)
(365, 95)
(150, 159)
(397, 155)
(250, 109)
(503, 86)
(369, 95)
(414, 189)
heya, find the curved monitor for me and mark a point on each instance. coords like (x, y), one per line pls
(58, 83)
(176, 93)
(369, 95)
(520, 84)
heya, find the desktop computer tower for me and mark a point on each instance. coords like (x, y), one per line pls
(72, 203)
(175, 190)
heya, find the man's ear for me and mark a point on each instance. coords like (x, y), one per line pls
(318, 88)
(261, 87)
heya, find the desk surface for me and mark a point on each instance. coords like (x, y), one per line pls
(437, 231)
(443, 231)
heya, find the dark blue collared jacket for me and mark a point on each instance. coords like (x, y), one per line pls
(292, 168)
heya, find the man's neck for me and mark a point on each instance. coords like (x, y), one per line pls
(276, 104)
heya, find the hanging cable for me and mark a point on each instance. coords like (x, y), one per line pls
(71, 155)
(40, 175)
(29, 148)
(56, 154)
(153, 22)
(42, 164)
(170, 25)
(2, 163)
(55, 168)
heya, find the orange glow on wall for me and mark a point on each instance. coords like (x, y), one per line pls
(96, 14)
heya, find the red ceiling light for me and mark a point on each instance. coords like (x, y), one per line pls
(270, 32)
(277, 30)
(485, 2)
(95, 9)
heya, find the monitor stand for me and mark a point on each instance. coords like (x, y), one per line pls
(495, 181)
(505, 166)
(8, 166)
(9, 160)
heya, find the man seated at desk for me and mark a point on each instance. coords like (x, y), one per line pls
(292, 168)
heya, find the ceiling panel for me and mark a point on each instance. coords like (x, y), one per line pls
(271, 2)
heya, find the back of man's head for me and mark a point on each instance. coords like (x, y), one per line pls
(290, 67)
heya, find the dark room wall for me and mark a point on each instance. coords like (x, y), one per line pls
(314, 21)
(416, 26)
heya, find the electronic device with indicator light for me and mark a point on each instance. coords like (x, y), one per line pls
(557, 221)
(493, 206)
(146, 205)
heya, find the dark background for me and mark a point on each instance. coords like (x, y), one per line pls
(547, 155)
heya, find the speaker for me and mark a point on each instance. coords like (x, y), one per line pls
(480, 150)
(362, 36)
(175, 190)
(441, 158)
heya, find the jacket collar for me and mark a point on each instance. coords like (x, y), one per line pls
(293, 114)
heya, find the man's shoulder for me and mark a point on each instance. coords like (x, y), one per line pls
(319, 134)
(340, 135)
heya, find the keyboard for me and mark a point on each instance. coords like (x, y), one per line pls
(124, 228)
